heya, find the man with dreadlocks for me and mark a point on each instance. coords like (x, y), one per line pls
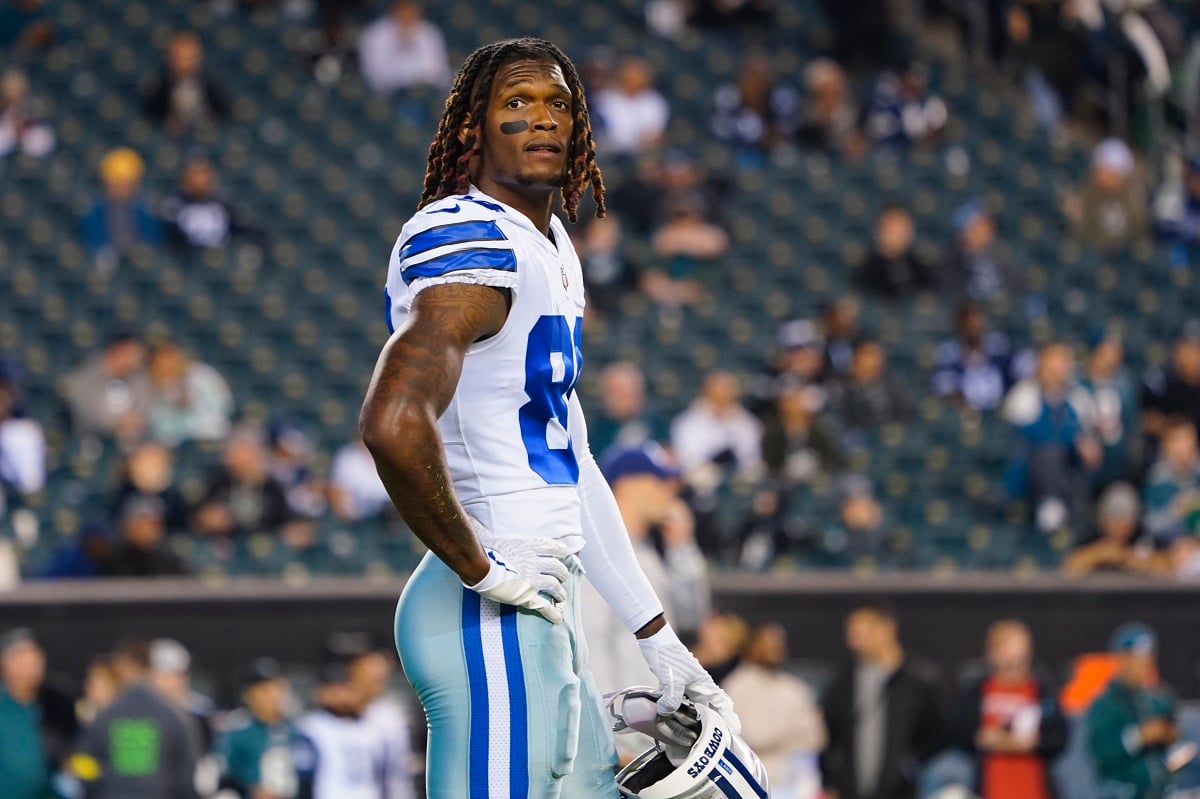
(477, 432)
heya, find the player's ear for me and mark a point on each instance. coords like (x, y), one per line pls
(466, 129)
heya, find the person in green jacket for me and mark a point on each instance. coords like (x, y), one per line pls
(263, 753)
(24, 765)
(1132, 724)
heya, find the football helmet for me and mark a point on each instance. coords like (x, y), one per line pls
(695, 754)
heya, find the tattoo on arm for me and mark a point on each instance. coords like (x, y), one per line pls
(414, 380)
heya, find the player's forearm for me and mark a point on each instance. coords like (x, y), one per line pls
(413, 470)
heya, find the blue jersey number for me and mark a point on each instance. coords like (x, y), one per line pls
(553, 358)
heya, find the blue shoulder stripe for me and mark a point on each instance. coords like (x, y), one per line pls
(455, 233)
(479, 258)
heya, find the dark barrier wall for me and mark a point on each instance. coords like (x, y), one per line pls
(942, 619)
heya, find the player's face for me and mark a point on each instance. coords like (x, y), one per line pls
(529, 127)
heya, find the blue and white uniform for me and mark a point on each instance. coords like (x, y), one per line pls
(512, 711)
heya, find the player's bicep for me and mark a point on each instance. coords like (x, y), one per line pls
(421, 363)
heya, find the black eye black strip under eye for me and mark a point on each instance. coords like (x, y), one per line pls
(510, 128)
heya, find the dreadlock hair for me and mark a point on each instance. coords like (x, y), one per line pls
(446, 171)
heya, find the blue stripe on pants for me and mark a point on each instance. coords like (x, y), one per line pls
(745, 772)
(477, 677)
(723, 784)
(518, 759)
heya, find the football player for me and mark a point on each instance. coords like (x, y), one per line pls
(477, 433)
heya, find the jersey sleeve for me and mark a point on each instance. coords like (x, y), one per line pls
(453, 241)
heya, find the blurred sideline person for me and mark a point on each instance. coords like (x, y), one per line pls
(882, 713)
(1010, 718)
(370, 674)
(646, 487)
(348, 754)
(139, 745)
(262, 752)
(37, 722)
(1131, 726)
(782, 720)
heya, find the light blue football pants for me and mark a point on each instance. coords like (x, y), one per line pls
(512, 713)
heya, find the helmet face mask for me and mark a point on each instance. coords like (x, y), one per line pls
(695, 755)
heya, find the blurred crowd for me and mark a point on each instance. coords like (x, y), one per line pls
(880, 724)
(138, 725)
(1107, 456)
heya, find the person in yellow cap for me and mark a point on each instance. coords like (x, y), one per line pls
(119, 220)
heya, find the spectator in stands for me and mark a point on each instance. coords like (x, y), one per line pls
(242, 497)
(171, 678)
(661, 530)
(109, 395)
(861, 532)
(799, 364)
(142, 550)
(1104, 398)
(893, 269)
(120, 221)
(1131, 725)
(1172, 493)
(355, 491)
(88, 555)
(149, 473)
(26, 27)
(976, 368)
(189, 400)
(1177, 211)
(716, 433)
(37, 722)
(719, 644)
(756, 112)
(1111, 210)
(194, 213)
(22, 119)
(799, 443)
(903, 111)
(1050, 41)
(976, 267)
(22, 443)
(262, 751)
(402, 50)
(634, 112)
(869, 396)
(1175, 389)
(138, 745)
(349, 758)
(290, 462)
(645, 201)
(185, 96)
(1118, 543)
(370, 674)
(840, 327)
(685, 242)
(829, 120)
(606, 276)
(1010, 718)
(1056, 455)
(622, 418)
(882, 713)
(781, 720)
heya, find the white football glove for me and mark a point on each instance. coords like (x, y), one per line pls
(522, 570)
(680, 674)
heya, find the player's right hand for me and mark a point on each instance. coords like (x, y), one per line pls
(528, 573)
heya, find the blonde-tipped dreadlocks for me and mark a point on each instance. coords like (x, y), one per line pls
(449, 158)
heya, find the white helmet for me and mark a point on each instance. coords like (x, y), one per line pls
(695, 755)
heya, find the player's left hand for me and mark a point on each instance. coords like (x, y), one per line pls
(680, 674)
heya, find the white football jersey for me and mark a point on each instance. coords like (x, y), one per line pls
(505, 430)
